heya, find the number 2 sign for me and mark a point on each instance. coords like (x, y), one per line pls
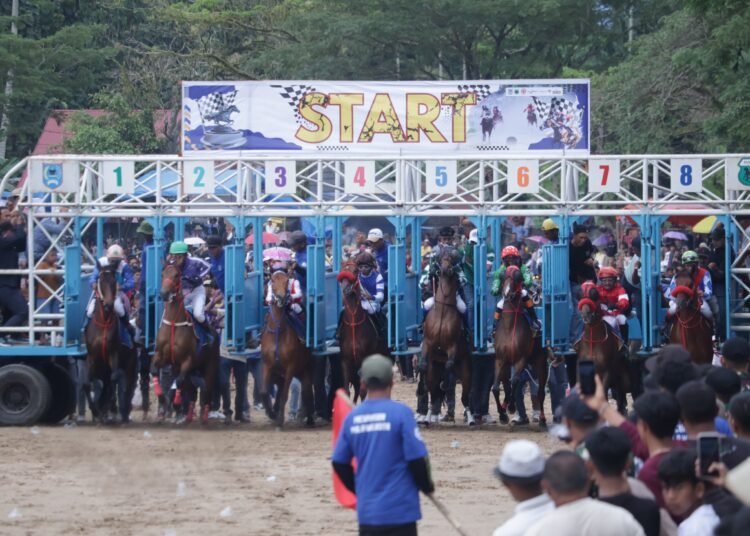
(604, 176)
(198, 177)
(441, 177)
(523, 176)
(686, 175)
(281, 177)
(359, 177)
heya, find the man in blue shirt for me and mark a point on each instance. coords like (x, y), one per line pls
(216, 260)
(380, 249)
(392, 460)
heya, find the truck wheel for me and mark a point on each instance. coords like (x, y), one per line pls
(63, 401)
(25, 395)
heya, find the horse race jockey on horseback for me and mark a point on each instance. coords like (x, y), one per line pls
(701, 283)
(293, 309)
(614, 301)
(372, 290)
(511, 257)
(194, 271)
(113, 261)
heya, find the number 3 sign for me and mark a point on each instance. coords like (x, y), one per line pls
(523, 176)
(359, 177)
(604, 176)
(281, 177)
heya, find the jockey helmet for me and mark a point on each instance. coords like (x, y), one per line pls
(115, 252)
(608, 273)
(509, 251)
(447, 232)
(690, 257)
(297, 237)
(178, 248)
(365, 259)
(549, 225)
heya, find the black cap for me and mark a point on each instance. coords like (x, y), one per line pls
(636, 242)
(576, 410)
(736, 350)
(579, 229)
(214, 240)
(718, 233)
(447, 231)
(670, 352)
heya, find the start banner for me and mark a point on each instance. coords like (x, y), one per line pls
(386, 118)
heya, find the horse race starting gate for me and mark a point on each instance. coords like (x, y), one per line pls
(71, 203)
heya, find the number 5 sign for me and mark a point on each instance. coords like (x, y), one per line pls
(441, 177)
(359, 177)
(523, 176)
(198, 177)
(604, 176)
(281, 177)
(686, 175)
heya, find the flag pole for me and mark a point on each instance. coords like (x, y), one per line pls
(446, 514)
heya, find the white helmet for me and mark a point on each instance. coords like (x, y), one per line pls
(115, 252)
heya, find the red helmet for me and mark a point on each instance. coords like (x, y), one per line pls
(509, 251)
(608, 271)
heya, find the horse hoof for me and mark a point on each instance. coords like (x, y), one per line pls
(504, 418)
(448, 418)
(512, 409)
(310, 422)
(433, 418)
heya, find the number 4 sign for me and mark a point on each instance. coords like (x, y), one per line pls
(604, 176)
(523, 176)
(359, 177)
(281, 177)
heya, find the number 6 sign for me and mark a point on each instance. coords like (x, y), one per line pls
(604, 176)
(523, 176)
(281, 177)
(359, 177)
(441, 177)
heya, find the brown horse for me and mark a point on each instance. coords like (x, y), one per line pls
(177, 347)
(444, 346)
(691, 329)
(111, 365)
(358, 336)
(284, 356)
(600, 345)
(516, 347)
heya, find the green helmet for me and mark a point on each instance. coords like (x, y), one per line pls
(178, 248)
(145, 228)
(690, 257)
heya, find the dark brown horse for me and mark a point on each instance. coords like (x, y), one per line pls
(111, 365)
(177, 347)
(600, 345)
(358, 336)
(284, 356)
(444, 346)
(516, 347)
(690, 328)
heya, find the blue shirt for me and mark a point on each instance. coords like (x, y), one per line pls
(217, 269)
(124, 276)
(381, 255)
(384, 437)
(301, 275)
(193, 272)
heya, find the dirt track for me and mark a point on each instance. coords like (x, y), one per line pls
(116, 480)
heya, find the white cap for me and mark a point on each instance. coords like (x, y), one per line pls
(473, 236)
(521, 458)
(115, 252)
(374, 234)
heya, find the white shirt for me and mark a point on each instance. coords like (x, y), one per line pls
(703, 521)
(526, 514)
(587, 517)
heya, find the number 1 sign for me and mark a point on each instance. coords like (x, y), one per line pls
(441, 177)
(604, 176)
(281, 177)
(359, 177)
(118, 177)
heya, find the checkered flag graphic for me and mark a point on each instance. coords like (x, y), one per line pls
(482, 90)
(542, 108)
(214, 103)
(293, 95)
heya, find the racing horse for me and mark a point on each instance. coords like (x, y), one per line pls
(358, 336)
(690, 328)
(444, 345)
(178, 347)
(516, 347)
(111, 365)
(284, 356)
(600, 345)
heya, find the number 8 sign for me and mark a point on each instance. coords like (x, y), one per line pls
(686, 175)
(359, 177)
(523, 176)
(281, 177)
(604, 176)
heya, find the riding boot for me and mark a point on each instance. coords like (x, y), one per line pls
(498, 316)
(668, 321)
(130, 328)
(535, 324)
(624, 329)
(337, 335)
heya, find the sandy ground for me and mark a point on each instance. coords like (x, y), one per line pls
(151, 479)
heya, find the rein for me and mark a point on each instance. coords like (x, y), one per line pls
(179, 299)
(692, 321)
(105, 322)
(277, 321)
(446, 304)
(591, 339)
(517, 310)
(354, 322)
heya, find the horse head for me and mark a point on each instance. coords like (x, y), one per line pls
(106, 288)
(171, 282)
(587, 305)
(447, 262)
(348, 282)
(280, 288)
(683, 292)
(513, 283)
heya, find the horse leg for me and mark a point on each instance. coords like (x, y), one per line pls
(501, 412)
(508, 402)
(435, 373)
(210, 372)
(265, 392)
(308, 399)
(281, 398)
(542, 374)
(466, 391)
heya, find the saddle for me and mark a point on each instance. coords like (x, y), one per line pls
(204, 336)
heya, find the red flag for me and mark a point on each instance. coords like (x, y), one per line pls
(342, 406)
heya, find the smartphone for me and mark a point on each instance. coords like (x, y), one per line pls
(586, 375)
(709, 450)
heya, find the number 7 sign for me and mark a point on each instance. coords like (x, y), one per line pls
(604, 175)
(359, 177)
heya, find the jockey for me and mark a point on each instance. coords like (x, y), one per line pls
(298, 244)
(445, 241)
(371, 282)
(125, 281)
(614, 300)
(701, 284)
(511, 257)
(294, 307)
(194, 270)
